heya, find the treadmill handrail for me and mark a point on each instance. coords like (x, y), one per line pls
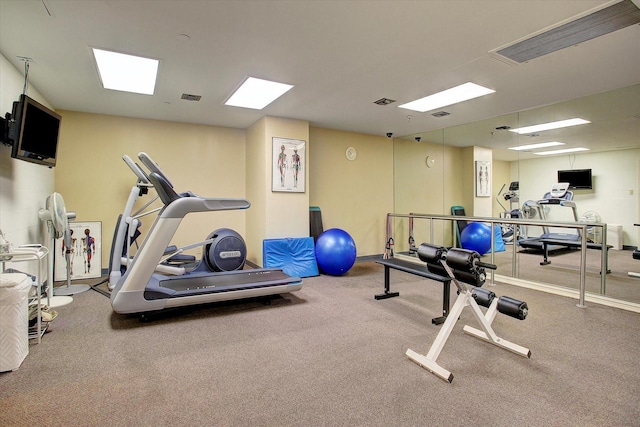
(179, 205)
(561, 202)
(153, 166)
(137, 170)
(164, 188)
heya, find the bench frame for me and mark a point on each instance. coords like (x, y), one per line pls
(419, 270)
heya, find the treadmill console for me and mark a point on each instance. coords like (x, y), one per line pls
(559, 189)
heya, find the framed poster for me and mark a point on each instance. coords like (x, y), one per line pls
(85, 252)
(289, 164)
(483, 179)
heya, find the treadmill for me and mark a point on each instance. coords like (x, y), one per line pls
(143, 289)
(549, 241)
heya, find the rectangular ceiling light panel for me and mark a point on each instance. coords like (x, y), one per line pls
(612, 17)
(566, 150)
(126, 73)
(461, 93)
(257, 93)
(549, 126)
(535, 146)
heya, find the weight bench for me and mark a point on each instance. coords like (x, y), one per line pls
(464, 266)
(418, 270)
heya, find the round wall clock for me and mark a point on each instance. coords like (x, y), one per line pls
(351, 153)
(430, 161)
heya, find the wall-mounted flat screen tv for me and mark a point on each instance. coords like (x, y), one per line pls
(34, 132)
(578, 179)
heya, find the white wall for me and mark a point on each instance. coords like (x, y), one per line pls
(615, 186)
(24, 186)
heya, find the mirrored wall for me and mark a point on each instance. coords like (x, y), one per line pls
(436, 170)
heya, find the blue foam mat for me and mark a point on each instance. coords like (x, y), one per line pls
(295, 255)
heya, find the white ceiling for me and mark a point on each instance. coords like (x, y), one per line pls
(340, 55)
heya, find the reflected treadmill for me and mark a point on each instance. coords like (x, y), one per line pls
(551, 242)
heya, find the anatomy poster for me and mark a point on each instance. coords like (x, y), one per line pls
(85, 252)
(483, 179)
(289, 165)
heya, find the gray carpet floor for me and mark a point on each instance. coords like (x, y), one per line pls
(328, 355)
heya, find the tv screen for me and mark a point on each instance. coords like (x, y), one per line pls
(579, 179)
(35, 132)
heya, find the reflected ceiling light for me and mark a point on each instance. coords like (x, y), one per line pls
(464, 92)
(126, 73)
(257, 93)
(566, 150)
(534, 146)
(549, 126)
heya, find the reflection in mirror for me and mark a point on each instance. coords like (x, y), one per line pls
(419, 174)
(612, 143)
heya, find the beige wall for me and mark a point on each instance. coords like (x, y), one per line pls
(273, 214)
(482, 206)
(501, 176)
(475, 206)
(95, 182)
(224, 162)
(420, 188)
(352, 195)
(454, 188)
(258, 180)
(468, 177)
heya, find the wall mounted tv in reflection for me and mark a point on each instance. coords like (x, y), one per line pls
(34, 132)
(578, 179)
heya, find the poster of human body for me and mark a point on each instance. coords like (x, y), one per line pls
(85, 252)
(483, 179)
(289, 164)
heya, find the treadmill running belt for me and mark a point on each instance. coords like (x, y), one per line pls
(231, 279)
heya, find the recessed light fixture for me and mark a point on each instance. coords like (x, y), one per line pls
(550, 125)
(127, 73)
(257, 93)
(440, 114)
(384, 101)
(534, 146)
(464, 92)
(566, 150)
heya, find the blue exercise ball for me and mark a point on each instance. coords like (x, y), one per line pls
(335, 252)
(476, 236)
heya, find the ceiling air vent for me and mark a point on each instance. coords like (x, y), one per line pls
(190, 97)
(384, 101)
(572, 32)
(440, 114)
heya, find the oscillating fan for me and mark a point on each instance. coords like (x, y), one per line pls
(594, 234)
(57, 220)
(528, 211)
